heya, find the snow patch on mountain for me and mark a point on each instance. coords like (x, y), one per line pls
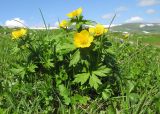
(142, 25)
(146, 32)
(150, 25)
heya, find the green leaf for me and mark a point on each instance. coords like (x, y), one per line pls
(89, 22)
(79, 25)
(134, 97)
(102, 71)
(64, 92)
(2, 111)
(94, 81)
(75, 58)
(48, 63)
(15, 50)
(31, 67)
(130, 86)
(79, 99)
(81, 78)
(65, 45)
(63, 74)
(65, 48)
(19, 70)
(106, 94)
(111, 110)
(67, 100)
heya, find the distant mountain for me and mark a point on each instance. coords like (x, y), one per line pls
(138, 27)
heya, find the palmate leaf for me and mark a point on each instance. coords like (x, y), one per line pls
(48, 63)
(94, 81)
(65, 48)
(64, 45)
(81, 78)
(102, 71)
(79, 99)
(65, 93)
(75, 58)
(19, 70)
(106, 94)
(31, 67)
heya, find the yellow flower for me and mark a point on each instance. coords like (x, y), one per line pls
(92, 30)
(106, 30)
(18, 33)
(126, 36)
(63, 23)
(75, 13)
(83, 39)
(99, 29)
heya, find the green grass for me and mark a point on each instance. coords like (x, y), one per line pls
(6, 46)
(133, 86)
(149, 38)
(135, 28)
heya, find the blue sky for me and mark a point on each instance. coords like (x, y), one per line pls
(27, 11)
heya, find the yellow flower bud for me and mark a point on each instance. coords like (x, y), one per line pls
(75, 13)
(63, 23)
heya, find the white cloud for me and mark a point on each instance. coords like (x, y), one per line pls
(121, 9)
(150, 11)
(16, 22)
(135, 19)
(148, 2)
(108, 16)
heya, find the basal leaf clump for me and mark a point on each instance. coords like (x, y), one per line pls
(73, 60)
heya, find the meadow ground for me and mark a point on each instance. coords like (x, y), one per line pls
(132, 86)
(151, 38)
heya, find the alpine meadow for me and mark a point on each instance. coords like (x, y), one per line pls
(82, 67)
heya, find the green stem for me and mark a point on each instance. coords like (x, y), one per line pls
(43, 19)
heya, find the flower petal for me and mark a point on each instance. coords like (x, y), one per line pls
(79, 11)
(85, 33)
(70, 15)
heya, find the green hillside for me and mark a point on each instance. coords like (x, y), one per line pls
(138, 27)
